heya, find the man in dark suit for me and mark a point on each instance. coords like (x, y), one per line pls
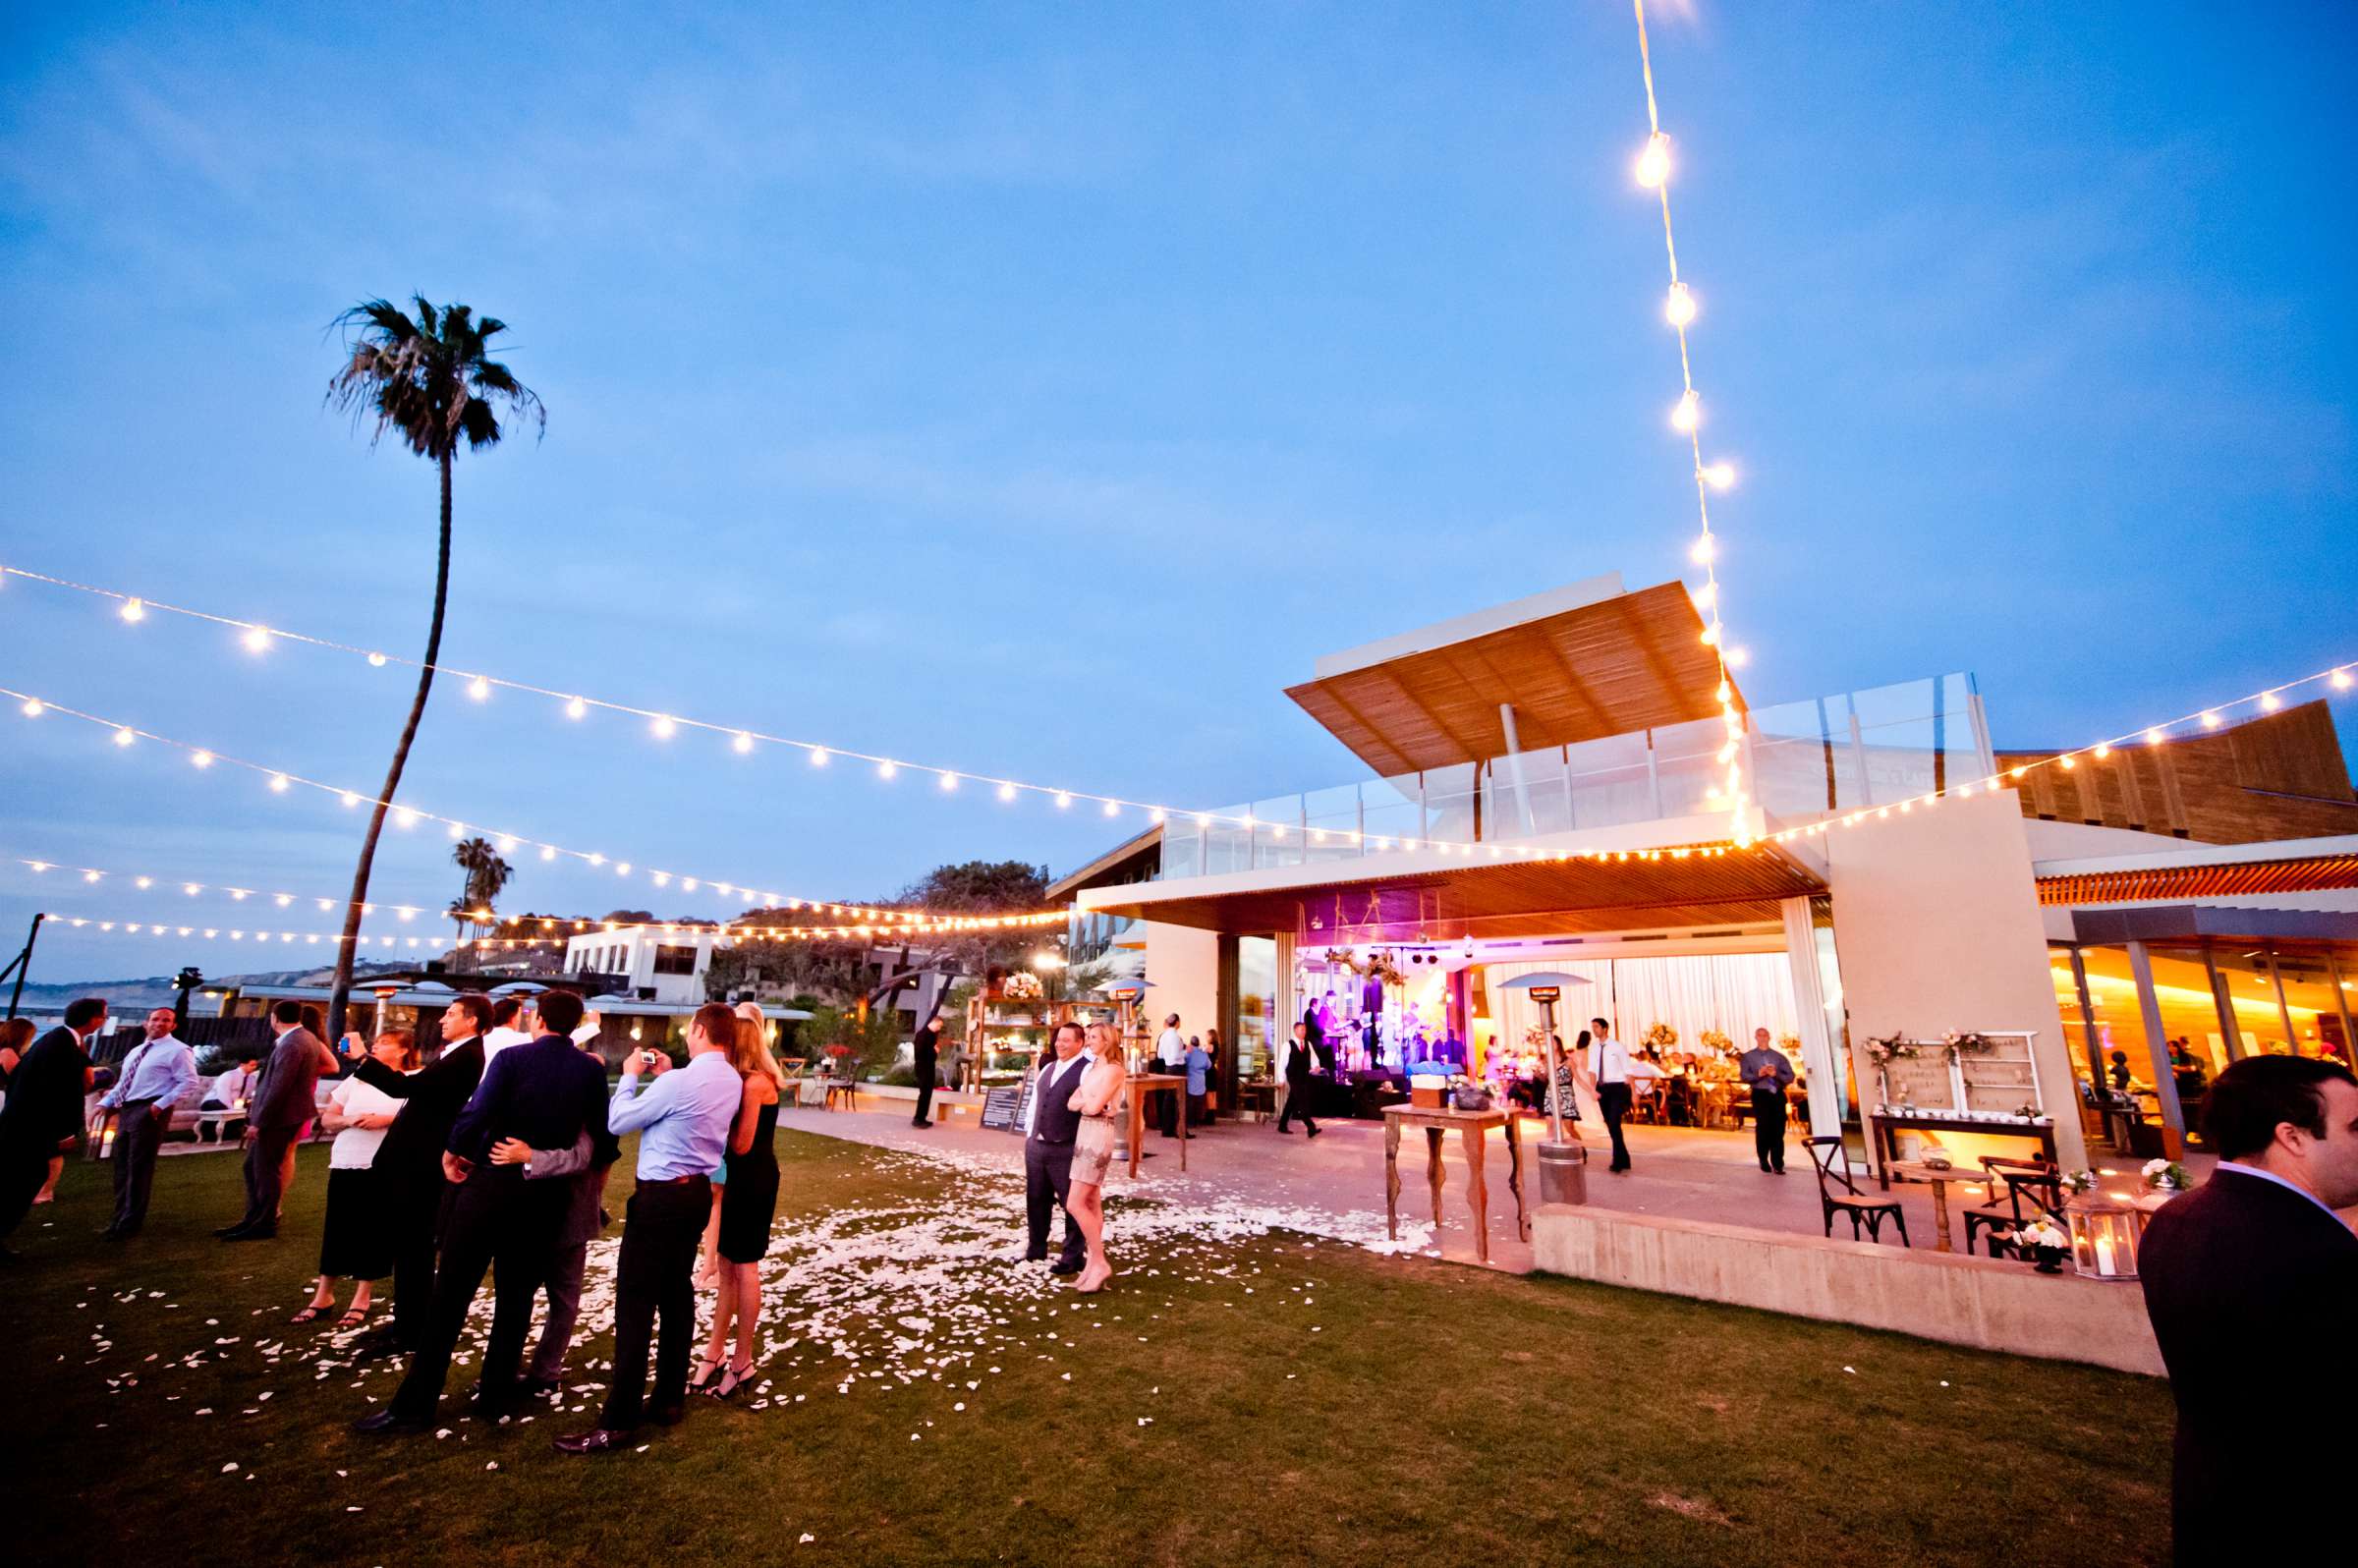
(547, 1094)
(2240, 1275)
(1048, 1136)
(925, 1053)
(43, 1113)
(411, 1158)
(285, 1098)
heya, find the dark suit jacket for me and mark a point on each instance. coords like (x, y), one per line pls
(547, 1093)
(286, 1094)
(2248, 1286)
(431, 1098)
(45, 1094)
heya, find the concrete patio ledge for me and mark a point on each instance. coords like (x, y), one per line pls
(1985, 1302)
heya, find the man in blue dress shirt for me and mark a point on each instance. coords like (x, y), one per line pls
(683, 1122)
(547, 1094)
(158, 1071)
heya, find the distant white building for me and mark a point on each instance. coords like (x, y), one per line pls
(655, 963)
(668, 963)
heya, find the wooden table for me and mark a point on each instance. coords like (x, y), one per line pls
(1139, 1086)
(1473, 1127)
(1884, 1130)
(1916, 1170)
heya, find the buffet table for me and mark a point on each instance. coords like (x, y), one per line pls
(1474, 1127)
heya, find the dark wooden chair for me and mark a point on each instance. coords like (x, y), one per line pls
(2020, 1192)
(1831, 1162)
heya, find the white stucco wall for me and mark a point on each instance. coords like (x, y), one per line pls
(1937, 926)
(1183, 975)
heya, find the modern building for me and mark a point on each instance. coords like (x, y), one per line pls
(667, 962)
(1543, 793)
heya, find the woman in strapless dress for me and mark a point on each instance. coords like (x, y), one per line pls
(1099, 1089)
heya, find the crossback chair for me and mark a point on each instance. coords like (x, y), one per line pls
(2020, 1192)
(1837, 1193)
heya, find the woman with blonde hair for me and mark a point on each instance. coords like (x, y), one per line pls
(1092, 1150)
(747, 1205)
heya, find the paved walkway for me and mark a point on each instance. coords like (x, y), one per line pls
(1680, 1173)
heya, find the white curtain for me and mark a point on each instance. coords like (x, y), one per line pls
(1734, 993)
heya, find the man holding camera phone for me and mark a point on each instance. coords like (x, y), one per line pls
(683, 1121)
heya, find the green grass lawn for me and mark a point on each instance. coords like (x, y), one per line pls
(1258, 1400)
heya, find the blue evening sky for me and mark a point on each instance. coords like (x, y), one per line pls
(1037, 389)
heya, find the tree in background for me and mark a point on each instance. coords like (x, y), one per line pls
(432, 381)
(487, 877)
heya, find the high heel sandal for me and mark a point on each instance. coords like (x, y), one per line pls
(1090, 1282)
(704, 1374)
(731, 1380)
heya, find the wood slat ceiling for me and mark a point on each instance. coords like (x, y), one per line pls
(1635, 661)
(2313, 873)
(1673, 888)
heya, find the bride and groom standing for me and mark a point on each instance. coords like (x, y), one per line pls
(1068, 1148)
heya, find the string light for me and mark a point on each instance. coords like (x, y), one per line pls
(1679, 309)
(257, 638)
(664, 725)
(2269, 699)
(408, 817)
(133, 610)
(479, 689)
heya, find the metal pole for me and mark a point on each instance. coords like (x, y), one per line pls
(1556, 1096)
(23, 962)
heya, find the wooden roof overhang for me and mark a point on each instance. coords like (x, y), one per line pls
(2307, 874)
(1628, 662)
(1675, 886)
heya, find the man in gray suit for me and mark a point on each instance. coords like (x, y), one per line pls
(284, 1100)
(584, 1217)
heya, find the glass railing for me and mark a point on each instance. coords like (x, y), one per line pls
(1805, 758)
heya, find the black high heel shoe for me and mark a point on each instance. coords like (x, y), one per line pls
(703, 1375)
(734, 1378)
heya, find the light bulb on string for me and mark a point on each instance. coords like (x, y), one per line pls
(663, 727)
(1704, 551)
(1738, 657)
(743, 743)
(2211, 721)
(1719, 476)
(576, 709)
(376, 661)
(949, 781)
(2269, 702)
(133, 611)
(123, 737)
(479, 689)
(31, 707)
(278, 783)
(256, 640)
(2342, 680)
(1686, 412)
(1653, 161)
(2153, 737)
(1006, 792)
(886, 769)
(819, 756)
(1679, 307)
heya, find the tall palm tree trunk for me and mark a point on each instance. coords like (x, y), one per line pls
(340, 992)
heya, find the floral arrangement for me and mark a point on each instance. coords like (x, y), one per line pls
(1880, 1052)
(1659, 1035)
(2079, 1180)
(1961, 1040)
(1714, 1041)
(839, 1050)
(1021, 986)
(2165, 1176)
(2041, 1233)
(1790, 1044)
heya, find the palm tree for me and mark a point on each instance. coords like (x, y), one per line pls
(429, 380)
(486, 876)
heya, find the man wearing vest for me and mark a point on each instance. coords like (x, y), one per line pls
(1050, 1124)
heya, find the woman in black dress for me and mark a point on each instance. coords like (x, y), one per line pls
(748, 1201)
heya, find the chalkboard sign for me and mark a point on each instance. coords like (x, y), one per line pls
(1003, 1108)
(1923, 1081)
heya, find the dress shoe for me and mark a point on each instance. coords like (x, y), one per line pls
(596, 1440)
(670, 1415)
(227, 1231)
(391, 1423)
(536, 1387)
(112, 1234)
(1067, 1268)
(271, 1234)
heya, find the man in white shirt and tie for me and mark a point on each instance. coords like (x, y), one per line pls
(155, 1075)
(1608, 1081)
(1050, 1127)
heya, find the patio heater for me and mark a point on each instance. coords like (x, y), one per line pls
(1563, 1166)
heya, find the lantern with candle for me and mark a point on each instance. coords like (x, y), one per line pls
(2103, 1234)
